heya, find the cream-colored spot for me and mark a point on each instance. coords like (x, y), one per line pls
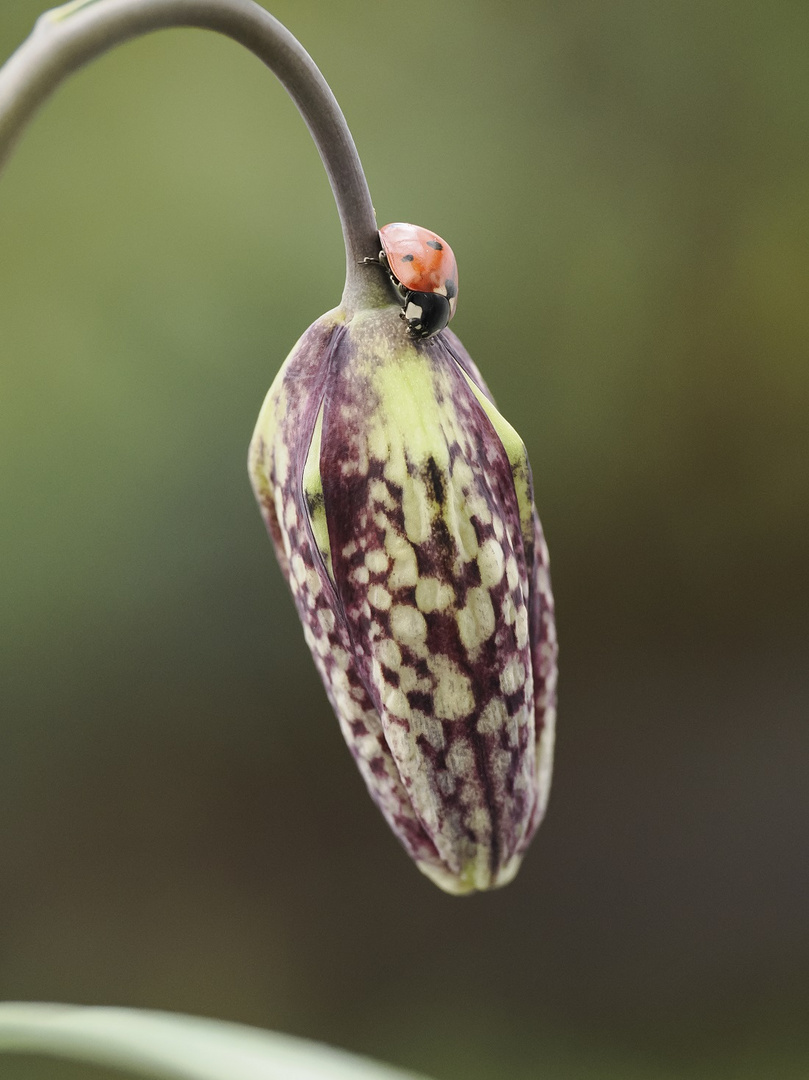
(543, 581)
(395, 702)
(379, 597)
(379, 494)
(452, 696)
(433, 595)
(462, 474)
(479, 508)
(395, 543)
(339, 684)
(398, 740)
(298, 568)
(466, 538)
(500, 763)
(378, 442)
(521, 628)
(460, 759)
(349, 549)
(405, 570)
(497, 525)
(513, 676)
(509, 610)
(389, 653)
(512, 573)
(491, 563)
(417, 510)
(281, 461)
(407, 625)
(410, 680)
(376, 561)
(429, 727)
(360, 575)
(313, 582)
(323, 646)
(459, 524)
(395, 465)
(290, 513)
(287, 549)
(493, 717)
(547, 657)
(545, 758)
(476, 620)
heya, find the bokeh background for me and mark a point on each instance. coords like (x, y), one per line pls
(626, 187)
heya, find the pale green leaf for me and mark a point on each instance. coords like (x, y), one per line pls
(172, 1046)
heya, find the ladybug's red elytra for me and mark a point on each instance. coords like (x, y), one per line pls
(424, 273)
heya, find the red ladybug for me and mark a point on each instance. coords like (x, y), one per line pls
(424, 273)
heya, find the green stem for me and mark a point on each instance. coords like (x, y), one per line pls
(68, 37)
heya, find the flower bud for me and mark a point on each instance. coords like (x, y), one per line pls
(401, 507)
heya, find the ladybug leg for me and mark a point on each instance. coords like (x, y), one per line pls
(382, 261)
(399, 289)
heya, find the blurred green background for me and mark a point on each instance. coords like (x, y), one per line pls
(626, 187)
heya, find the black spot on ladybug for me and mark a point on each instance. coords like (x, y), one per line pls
(407, 258)
(435, 245)
(451, 287)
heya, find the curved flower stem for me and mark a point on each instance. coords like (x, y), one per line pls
(68, 37)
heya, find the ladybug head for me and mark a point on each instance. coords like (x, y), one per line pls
(425, 313)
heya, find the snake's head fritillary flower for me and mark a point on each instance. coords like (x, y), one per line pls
(400, 504)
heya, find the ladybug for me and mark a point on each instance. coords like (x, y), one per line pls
(424, 273)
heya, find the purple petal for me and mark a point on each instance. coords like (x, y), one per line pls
(400, 504)
(430, 567)
(278, 454)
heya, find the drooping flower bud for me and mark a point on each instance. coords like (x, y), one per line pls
(400, 504)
